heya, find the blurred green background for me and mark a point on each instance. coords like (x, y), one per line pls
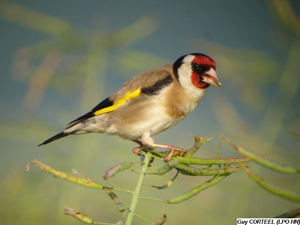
(61, 58)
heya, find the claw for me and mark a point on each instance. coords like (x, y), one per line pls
(136, 151)
(171, 149)
(167, 158)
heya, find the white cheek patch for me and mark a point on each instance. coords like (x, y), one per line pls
(185, 80)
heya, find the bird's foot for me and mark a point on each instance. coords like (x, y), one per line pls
(138, 149)
(167, 158)
(171, 149)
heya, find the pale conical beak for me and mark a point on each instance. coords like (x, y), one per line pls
(211, 77)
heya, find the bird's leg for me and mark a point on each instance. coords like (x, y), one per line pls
(148, 142)
(137, 149)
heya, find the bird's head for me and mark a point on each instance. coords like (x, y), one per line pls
(196, 70)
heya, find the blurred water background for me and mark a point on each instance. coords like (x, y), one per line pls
(61, 58)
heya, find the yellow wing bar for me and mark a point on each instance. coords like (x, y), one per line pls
(128, 96)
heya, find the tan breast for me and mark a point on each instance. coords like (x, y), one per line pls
(178, 103)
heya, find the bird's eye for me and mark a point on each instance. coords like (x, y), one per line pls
(195, 66)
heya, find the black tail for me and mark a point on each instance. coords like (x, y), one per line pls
(54, 138)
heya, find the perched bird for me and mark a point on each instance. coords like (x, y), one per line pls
(149, 103)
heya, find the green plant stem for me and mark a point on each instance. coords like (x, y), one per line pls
(268, 164)
(135, 196)
(152, 199)
(142, 218)
(271, 188)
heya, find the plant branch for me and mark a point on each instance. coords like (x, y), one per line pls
(213, 161)
(263, 162)
(68, 177)
(290, 214)
(135, 196)
(271, 188)
(185, 164)
(196, 190)
(81, 217)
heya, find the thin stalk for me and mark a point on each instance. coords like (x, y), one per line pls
(152, 199)
(142, 218)
(135, 196)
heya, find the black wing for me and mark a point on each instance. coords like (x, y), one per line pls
(154, 89)
(105, 103)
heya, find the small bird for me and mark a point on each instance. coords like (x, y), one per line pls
(149, 103)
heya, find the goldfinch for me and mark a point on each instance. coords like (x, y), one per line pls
(149, 103)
